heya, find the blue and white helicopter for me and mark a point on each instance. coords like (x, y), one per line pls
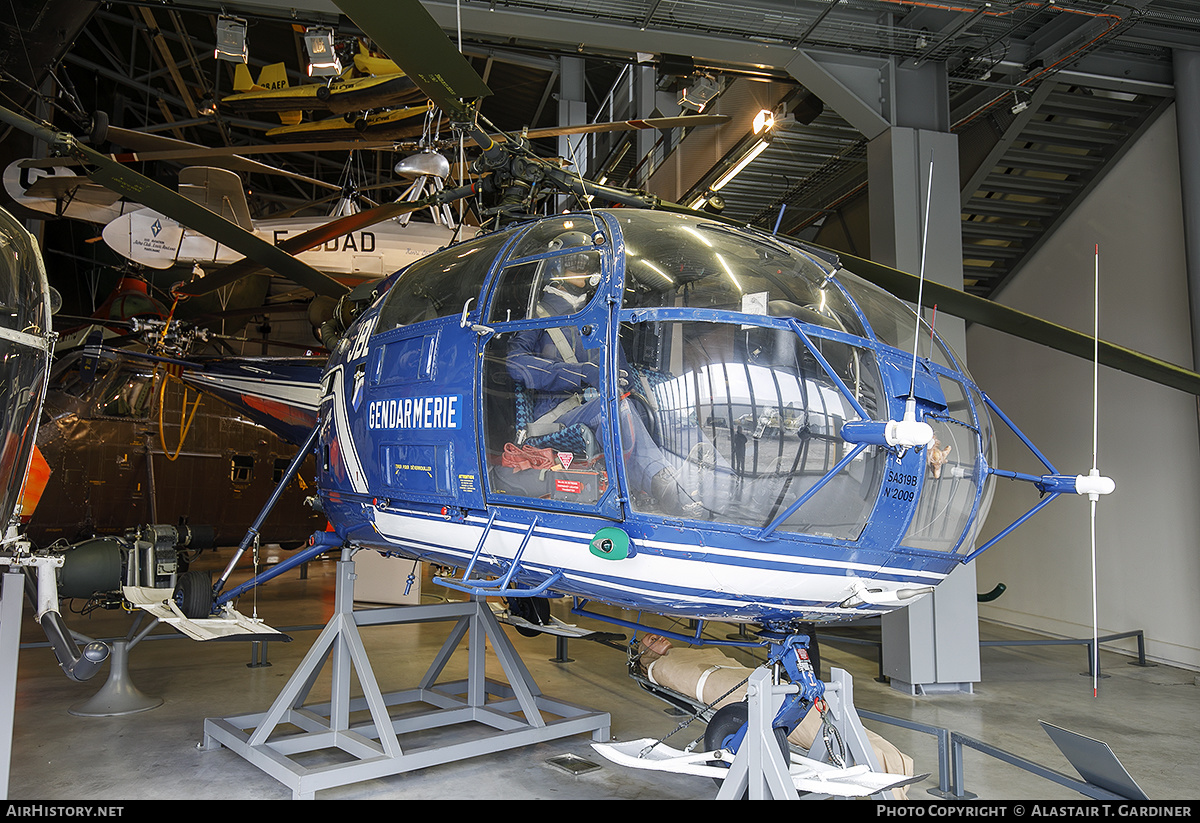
(651, 408)
(662, 412)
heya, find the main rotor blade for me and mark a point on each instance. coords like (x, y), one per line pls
(409, 35)
(141, 189)
(156, 143)
(241, 153)
(1025, 326)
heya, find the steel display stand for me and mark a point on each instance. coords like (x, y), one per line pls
(12, 592)
(451, 722)
(759, 771)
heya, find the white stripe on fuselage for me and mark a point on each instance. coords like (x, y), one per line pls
(299, 394)
(341, 428)
(719, 587)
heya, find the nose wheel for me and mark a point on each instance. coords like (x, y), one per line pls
(534, 609)
(194, 594)
(728, 728)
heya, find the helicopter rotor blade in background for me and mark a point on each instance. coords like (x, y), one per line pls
(142, 142)
(189, 152)
(408, 34)
(141, 189)
(1002, 318)
(150, 147)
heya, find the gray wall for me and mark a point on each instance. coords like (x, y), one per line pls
(1147, 531)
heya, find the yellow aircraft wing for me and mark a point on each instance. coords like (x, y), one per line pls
(396, 124)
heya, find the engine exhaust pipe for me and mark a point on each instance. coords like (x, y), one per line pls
(78, 665)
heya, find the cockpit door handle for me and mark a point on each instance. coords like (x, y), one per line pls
(476, 327)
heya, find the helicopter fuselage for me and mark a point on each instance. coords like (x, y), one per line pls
(668, 432)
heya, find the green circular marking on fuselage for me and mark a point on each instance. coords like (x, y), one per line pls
(610, 543)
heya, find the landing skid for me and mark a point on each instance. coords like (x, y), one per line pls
(506, 716)
(807, 775)
(758, 769)
(555, 627)
(228, 624)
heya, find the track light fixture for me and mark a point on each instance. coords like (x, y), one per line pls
(231, 40)
(322, 59)
(700, 93)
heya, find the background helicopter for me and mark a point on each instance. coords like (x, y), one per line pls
(126, 441)
(27, 340)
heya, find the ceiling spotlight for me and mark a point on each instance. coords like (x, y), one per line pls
(1019, 105)
(231, 40)
(322, 59)
(764, 121)
(698, 95)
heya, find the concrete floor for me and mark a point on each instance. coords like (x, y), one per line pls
(1146, 714)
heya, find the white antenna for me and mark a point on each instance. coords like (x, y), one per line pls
(1095, 471)
(912, 387)
(1094, 484)
(910, 408)
(909, 433)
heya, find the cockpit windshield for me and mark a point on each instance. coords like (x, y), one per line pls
(894, 323)
(746, 421)
(676, 261)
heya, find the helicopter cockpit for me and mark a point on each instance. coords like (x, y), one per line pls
(650, 363)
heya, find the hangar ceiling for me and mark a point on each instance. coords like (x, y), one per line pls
(1043, 96)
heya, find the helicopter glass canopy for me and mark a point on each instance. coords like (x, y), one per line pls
(951, 485)
(104, 386)
(748, 420)
(893, 322)
(671, 260)
(441, 284)
(738, 360)
(24, 354)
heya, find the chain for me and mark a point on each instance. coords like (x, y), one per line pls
(830, 733)
(255, 556)
(691, 720)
